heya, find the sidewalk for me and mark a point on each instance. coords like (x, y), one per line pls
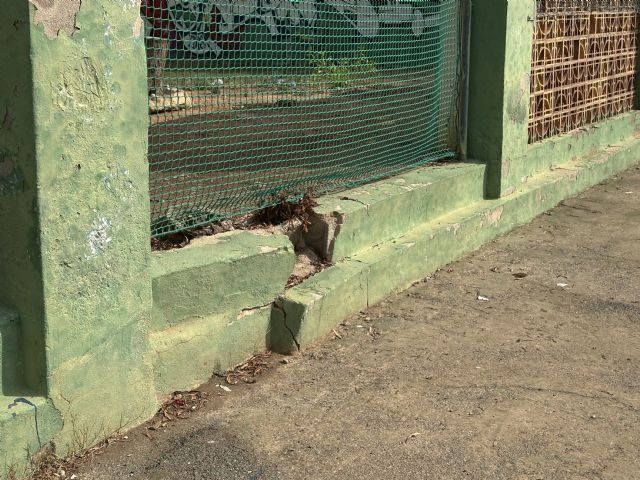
(520, 361)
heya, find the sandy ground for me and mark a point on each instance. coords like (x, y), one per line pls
(540, 381)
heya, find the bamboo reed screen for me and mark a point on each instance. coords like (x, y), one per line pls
(583, 64)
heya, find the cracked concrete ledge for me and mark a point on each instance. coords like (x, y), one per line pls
(251, 312)
(226, 273)
(311, 309)
(187, 354)
(349, 222)
(219, 290)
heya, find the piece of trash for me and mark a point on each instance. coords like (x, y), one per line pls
(74, 476)
(225, 388)
(628, 193)
(359, 326)
(373, 333)
(413, 435)
(336, 333)
(210, 442)
(563, 285)
(216, 85)
(519, 275)
(482, 298)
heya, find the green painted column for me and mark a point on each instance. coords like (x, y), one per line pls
(501, 42)
(74, 209)
(20, 267)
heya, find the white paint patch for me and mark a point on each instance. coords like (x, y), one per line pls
(266, 249)
(137, 28)
(107, 35)
(454, 227)
(99, 237)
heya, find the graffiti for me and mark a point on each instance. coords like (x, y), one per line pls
(213, 26)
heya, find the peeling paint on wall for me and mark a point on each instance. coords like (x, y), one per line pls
(56, 16)
(138, 27)
(99, 237)
(506, 166)
(492, 217)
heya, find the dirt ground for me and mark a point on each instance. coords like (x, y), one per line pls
(540, 381)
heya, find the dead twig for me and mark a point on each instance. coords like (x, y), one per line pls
(180, 405)
(247, 371)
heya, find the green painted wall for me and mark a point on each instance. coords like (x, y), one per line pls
(499, 84)
(499, 102)
(20, 268)
(89, 93)
(486, 81)
(75, 262)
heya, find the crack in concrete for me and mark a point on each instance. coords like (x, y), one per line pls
(529, 388)
(284, 321)
(366, 205)
(247, 310)
(190, 339)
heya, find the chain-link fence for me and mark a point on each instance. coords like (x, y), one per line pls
(583, 65)
(252, 101)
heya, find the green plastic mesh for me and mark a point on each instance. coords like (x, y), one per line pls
(253, 101)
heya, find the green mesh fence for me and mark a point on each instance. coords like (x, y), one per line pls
(252, 101)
